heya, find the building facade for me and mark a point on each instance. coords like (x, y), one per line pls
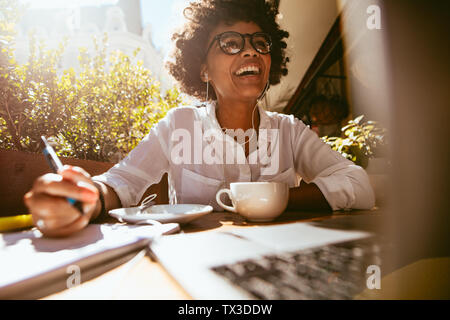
(121, 22)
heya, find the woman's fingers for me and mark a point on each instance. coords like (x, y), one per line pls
(47, 201)
(75, 174)
(57, 185)
(80, 223)
(57, 210)
(82, 179)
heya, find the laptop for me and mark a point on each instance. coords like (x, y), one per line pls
(317, 260)
(254, 263)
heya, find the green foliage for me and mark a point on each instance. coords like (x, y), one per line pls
(10, 13)
(99, 112)
(360, 141)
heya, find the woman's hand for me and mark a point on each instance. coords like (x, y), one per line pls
(307, 196)
(51, 212)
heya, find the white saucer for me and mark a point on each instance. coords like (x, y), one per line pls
(164, 213)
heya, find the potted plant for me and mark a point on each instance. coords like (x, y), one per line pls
(365, 143)
(93, 117)
(360, 141)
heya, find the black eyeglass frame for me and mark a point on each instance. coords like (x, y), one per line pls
(243, 36)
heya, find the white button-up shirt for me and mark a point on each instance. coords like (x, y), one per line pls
(189, 144)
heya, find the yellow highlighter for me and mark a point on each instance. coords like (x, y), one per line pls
(15, 222)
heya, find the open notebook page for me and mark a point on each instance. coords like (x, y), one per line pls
(29, 260)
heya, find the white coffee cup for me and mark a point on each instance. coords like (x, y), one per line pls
(256, 201)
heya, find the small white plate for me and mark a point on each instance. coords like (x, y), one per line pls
(164, 213)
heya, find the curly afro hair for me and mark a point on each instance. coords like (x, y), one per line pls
(203, 16)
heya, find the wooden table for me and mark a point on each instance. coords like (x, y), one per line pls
(142, 278)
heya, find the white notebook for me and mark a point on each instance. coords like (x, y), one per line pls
(29, 261)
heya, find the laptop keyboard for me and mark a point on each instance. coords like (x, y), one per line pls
(336, 271)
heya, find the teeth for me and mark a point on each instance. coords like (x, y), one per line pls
(247, 69)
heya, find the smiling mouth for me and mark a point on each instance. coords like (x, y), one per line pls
(248, 71)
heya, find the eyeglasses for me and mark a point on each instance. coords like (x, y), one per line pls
(232, 42)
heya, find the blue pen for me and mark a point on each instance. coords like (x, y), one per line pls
(56, 164)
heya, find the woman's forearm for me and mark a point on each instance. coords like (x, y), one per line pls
(307, 197)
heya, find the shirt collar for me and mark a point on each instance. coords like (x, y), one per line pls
(211, 114)
(264, 118)
(265, 124)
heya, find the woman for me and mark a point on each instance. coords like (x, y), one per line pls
(228, 54)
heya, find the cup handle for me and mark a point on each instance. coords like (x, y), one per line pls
(219, 193)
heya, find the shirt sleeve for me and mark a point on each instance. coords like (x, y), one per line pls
(142, 167)
(343, 184)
